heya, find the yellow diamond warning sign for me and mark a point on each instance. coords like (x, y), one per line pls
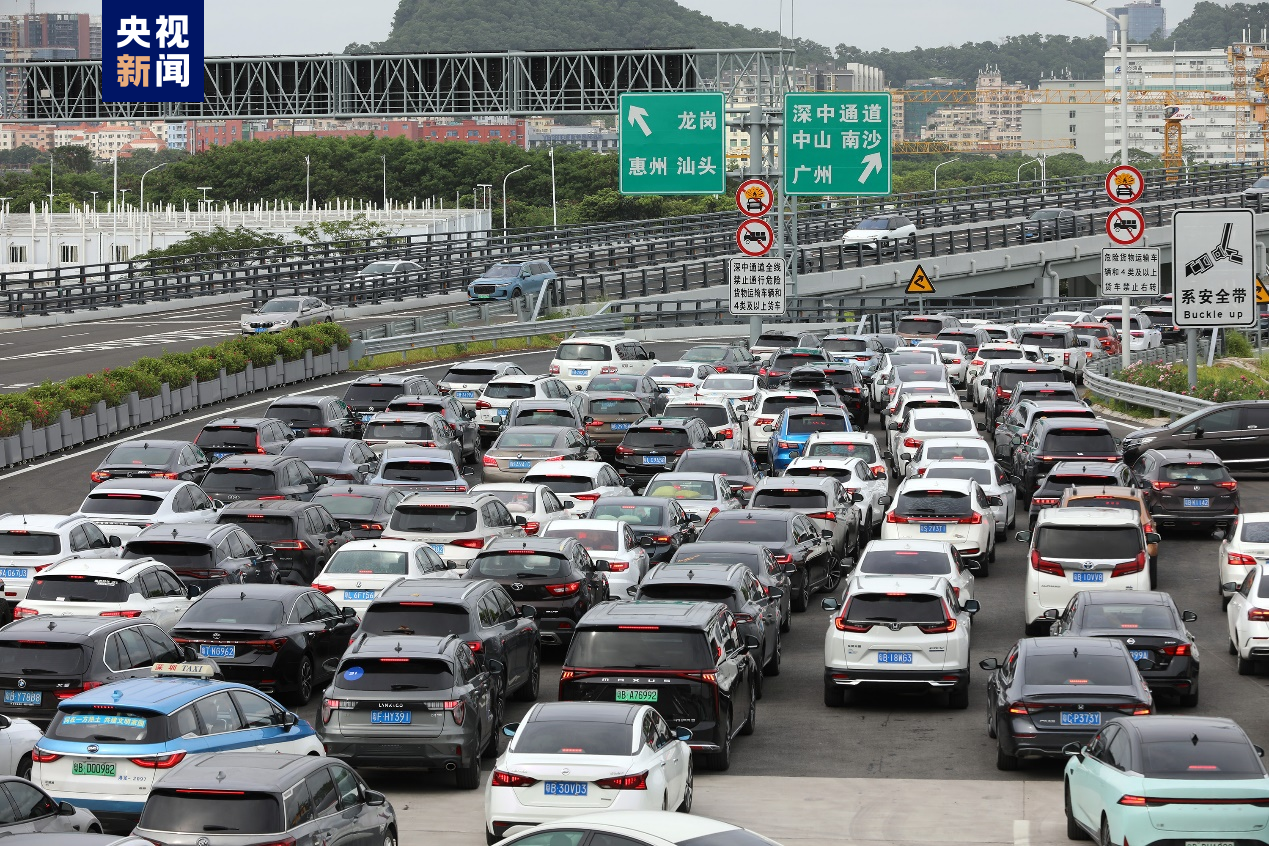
(920, 283)
(1262, 294)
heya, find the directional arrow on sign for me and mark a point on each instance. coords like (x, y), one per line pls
(636, 118)
(872, 162)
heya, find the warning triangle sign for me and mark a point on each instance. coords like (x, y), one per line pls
(1262, 294)
(921, 284)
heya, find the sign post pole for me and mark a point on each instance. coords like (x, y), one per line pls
(1191, 356)
(757, 164)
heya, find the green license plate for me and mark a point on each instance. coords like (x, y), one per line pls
(640, 695)
(92, 768)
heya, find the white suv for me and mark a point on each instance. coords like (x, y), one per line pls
(31, 542)
(955, 511)
(766, 409)
(1075, 549)
(922, 643)
(456, 526)
(495, 400)
(717, 413)
(135, 587)
(126, 506)
(580, 359)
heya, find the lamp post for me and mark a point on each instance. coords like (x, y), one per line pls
(206, 207)
(1122, 22)
(555, 217)
(385, 183)
(141, 201)
(306, 172)
(504, 202)
(1024, 164)
(114, 212)
(94, 193)
(936, 170)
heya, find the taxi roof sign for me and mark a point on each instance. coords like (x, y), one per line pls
(197, 671)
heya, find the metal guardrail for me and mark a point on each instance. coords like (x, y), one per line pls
(404, 343)
(1099, 379)
(450, 318)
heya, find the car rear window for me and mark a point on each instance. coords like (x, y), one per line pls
(595, 540)
(233, 609)
(629, 384)
(372, 393)
(809, 423)
(919, 608)
(441, 518)
(943, 424)
(348, 504)
(933, 503)
(21, 542)
(617, 406)
(75, 588)
(526, 440)
(745, 530)
(691, 554)
(107, 725)
(1009, 379)
(779, 402)
(175, 554)
(583, 352)
(1194, 472)
(432, 619)
(1082, 441)
(398, 431)
(1106, 501)
(710, 415)
(687, 489)
(636, 515)
(561, 483)
(787, 361)
(378, 562)
(656, 437)
(789, 498)
(418, 470)
(573, 737)
(263, 527)
(726, 462)
(728, 383)
(919, 373)
(691, 593)
(1088, 542)
(416, 403)
(862, 450)
(981, 475)
(28, 657)
(139, 454)
(508, 390)
(640, 646)
(1206, 759)
(919, 326)
(394, 674)
(544, 417)
(1051, 395)
(305, 450)
(226, 436)
(845, 345)
(516, 564)
(234, 812)
(999, 355)
(842, 474)
(239, 479)
(1095, 331)
(469, 375)
(1128, 616)
(1060, 669)
(926, 356)
(954, 452)
(906, 562)
(769, 339)
(1254, 533)
(969, 339)
(296, 415)
(672, 371)
(1044, 340)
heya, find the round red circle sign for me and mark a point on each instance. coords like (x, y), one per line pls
(1125, 225)
(1124, 184)
(754, 198)
(754, 237)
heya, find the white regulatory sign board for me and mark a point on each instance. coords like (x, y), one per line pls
(1213, 268)
(1130, 272)
(757, 285)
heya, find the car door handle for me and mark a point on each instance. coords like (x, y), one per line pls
(1245, 438)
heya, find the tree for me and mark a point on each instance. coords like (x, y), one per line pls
(219, 239)
(357, 228)
(74, 158)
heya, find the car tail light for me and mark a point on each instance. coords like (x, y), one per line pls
(531, 528)
(1258, 614)
(455, 708)
(892, 517)
(824, 515)
(505, 779)
(469, 543)
(159, 762)
(130, 614)
(721, 368)
(271, 497)
(589, 497)
(1044, 502)
(783, 559)
(1001, 393)
(1180, 649)
(99, 475)
(565, 589)
(742, 618)
(618, 566)
(555, 371)
(273, 645)
(788, 444)
(594, 424)
(978, 362)
(841, 625)
(1163, 486)
(911, 443)
(20, 612)
(323, 588)
(290, 545)
(762, 371)
(489, 461)
(973, 519)
(1136, 709)
(764, 421)
(638, 781)
(329, 706)
(663, 539)
(624, 450)
(321, 431)
(376, 527)
(956, 361)
(607, 369)
(877, 468)
(1236, 559)
(1127, 568)
(1051, 567)
(1019, 708)
(939, 628)
(727, 433)
(39, 756)
(1229, 486)
(482, 404)
(685, 384)
(475, 645)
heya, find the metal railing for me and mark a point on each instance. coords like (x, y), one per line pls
(1099, 378)
(450, 318)
(467, 335)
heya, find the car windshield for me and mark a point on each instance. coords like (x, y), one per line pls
(809, 423)
(369, 562)
(239, 479)
(583, 352)
(469, 374)
(234, 608)
(72, 588)
(230, 812)
(1088, 542)
(562, 483)
(918, 608)
(693, 554)
(508, 390)
(441, 518)
(330, 454)
(724, 462)
(943, 424)
(656, 437)
(1128, 616)
(789, 498)
(397, 431)
(372, 393)
(614, 406)
(682, 488)
(502, 271)
(379, 267)
(106, 724)
(672, 371)
(687, 592)
(30, 657)
(213, 437)
(595, 540)
(418, 470)
(139, 454)
(296, 415)
(263, 528)
(637, 515)
(630, 384)
(956, 452)
(1059, 669)
(1009, 379)
(933, 503)
(526, 440)
(981, 475)
(1044, 340)
(779, 402)
(516, 564)
(431, 619)
(22, 542)
(545, 417)
(574, 737)
(872, 223)
(1194, 471)
(705, 355)
(123, 504)
(862, 450)
(711, 415)
(1044, 214)
(1205, 759)
(175, 554)
(280, 306)
(775, 339)
(394, 674)
(745, 530)
(906, 562)
(640, 647)
(1081, 441)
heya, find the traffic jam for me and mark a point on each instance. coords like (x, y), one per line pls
(570, 589)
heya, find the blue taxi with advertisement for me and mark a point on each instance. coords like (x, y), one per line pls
(105, 748)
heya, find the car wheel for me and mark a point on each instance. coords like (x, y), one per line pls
(516, 293)
(834, 575)
(834, 695)
(24, 768)
(495, 726)
(491, 838)
(958, 696)
(685, 807)
(468, 778)
(772, 667)
(802, 598)
(1154, 572)
(1005, 761)
(389, 839)
(304, 682)
(720, 761)
(991, 723)
(328, 319)
(1073, 829)
(528, 691)
(1246, 667)
(865, 534)
(1037, 629)
(984, 567)
(785, 622)
(751, 719)
(295, 324)
(1190, 700)
(1103, 833)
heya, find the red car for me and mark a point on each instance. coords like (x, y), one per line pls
(1105, 333)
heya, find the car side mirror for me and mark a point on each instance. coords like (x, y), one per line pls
(1052, 613)
(290, 721)
(694, 518)
(775, 594)
(1016, 440)
(856, 496)
(829, 604)
(217, 504)
(1188, 616)
(510, 729)
(1074, 750)
(177, 591)
(971, 606)
(647, 543)
(344, 525)
(1260, 750)
(529, 612)
(893, 427)
(192, 591)
(568, 504)
(374, 798)
(995, 501)
(827, 534)
(348, 613)
(588, 420)
(1144, 664)
(451, 564)
(683, 734)
(1023, 536)
(520, 521)
(632, 591)
(752, 642)
(989, 664)
(1230, 586)
(115, 543)
(1152, 537)
(768, 428)
(65, 809)
(495, 665)
(320, 480)
(602, 566)
(1198, 431)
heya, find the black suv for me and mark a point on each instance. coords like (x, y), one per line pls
(1187, 489)
(45, 660)
(1238, 432)
(846, 380)
(314, 416)
(798, 546)
(1065, 474)
(1008, 376)
(204, 554)
(652, 445)
(243, 436)
(302, 535)
(373, 393)
(481, 613)
(554, 576)
(659, 523)
(1055, 439)
(261, 477)
(687, 657)
(154, 459)
(366, 508)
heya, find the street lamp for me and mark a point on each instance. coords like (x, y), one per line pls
(385, 183)
(1122, 22)
(504, 202)
(143, 176)
(306, 183)
(123, 197)
(555, 217)
(1024, 164)
(206, 209)
(94, 193)
(936, 170)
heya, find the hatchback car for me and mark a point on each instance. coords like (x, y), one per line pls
(360, 570)
(154, 459)
(718, 413)
(206, 555)
(388, 429)
(338, 459)
(519, 449)
(700, 494)
(456, 527)
(907, 434)
(314, 416)
(578, 484)
(365, 508)
(1111, 496)
(1066, 474)
(580, 359)
(1060, 439)
(302, 535)
(781, 363)
(1187, 489)
(956, 511)
(827, 504)
(612, 414)
(610, 543)
(787, 436)
(571, 412)
(124, 507)
(680, 377)
(1008, 376)
(638, 384)
(756, 557)
(30, 542)
(252, 477)
(1247, 619)
(243, 436)
(881, 232)
(41, 819)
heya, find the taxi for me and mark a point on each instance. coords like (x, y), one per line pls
(105, 748)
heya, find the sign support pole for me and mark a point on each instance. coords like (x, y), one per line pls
(757, 164)
(793, 234)
(1191, 356)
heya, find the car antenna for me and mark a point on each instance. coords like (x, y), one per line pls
(398, 646)
(242, 594)
(1194, 739)
(51, 625)
(175, 534)
(1075, 653)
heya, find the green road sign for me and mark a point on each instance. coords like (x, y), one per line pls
(673, 143)
(836, 143)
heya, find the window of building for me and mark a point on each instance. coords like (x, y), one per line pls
(495, 133)
(17, 254)
(1072, 114)
(473, 133)
(121, 252)
(451, 133)
(1071, 129)
(70, 253)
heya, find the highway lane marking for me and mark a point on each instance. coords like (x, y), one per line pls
(1022, 833)
(174, 337)
(75, 335)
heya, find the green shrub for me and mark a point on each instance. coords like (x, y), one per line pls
(1237, 345)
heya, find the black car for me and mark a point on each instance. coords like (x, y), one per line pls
(46, 660)
(793, 539)
(205, 554)
(1041, 392)
(846, 380)
(1148, 623)
(338, 459)
(659, 523)
(755, 609)
(314, 416)
(554, 576)
(1047, 224)
(302, 535)
(281, 639)
(1057, 439)
(736, 465)
(365, 508)
(1163, 319)
(654, 443)
(1237, 432)
(372, 393)
(1008, 376)
(760, 561)
(1049, 692)
(481, 613)
(153, 459)
(725, 358)
(1187, 489)
(783, 362)
(462, 420)
(644, 387)
(1065, 474)
(261, 477)
(687, 657)
(243, 436)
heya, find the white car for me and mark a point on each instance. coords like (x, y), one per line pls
(856, 476)
(135, 587)
(991, 352)
(766, 410)
(881, 380)
(955, 511)
(457, 526)
(998, 332)
(1142, 334)
(932, 450)
(740, 388)
(580, 359)
(124, 507)
(680, 377)
(384, 267)
(495, 400)
(1247, 618)
(17, 738)
(1066, 318)
(702, 494)
(566, 758)
(881, 231)
(922, 645)
(718, 413)
(913, 395)
(907, 434)
(362, 569)
(916, 558)
(991, 478)
(1074, 549)
(611, 541)
(282, 313)
(466, 379)
(847, 445)
(577, 484)
(955, 358)
(1102, 312)
(31, 542)
(1246, 545)
(536, 503)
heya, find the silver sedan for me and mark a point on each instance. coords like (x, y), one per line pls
(991, 478)
(281, 313)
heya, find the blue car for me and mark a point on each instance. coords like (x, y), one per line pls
(508, 279)
(794, 427)
(105, 748)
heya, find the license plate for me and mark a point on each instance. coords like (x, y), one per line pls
(437, 547)
(1087, 577)
(519, 464)
(484, 296)
(1196, 503)
(620, 427)
(211, 650)
(580, 372)
(564, 788)
(894, 657)
(654, 459)
(933, 529)
(355, 595)
(14, 572)
(1209, 843)
(391, 718)
(625, 694)
(260, 329)
(92, 768)
(1138, 654)
(1080, 718)
(465, 394)
(502, 412)
(366, 415)
(23, 697)
(216, 456)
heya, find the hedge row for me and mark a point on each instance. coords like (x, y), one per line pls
(44, 403)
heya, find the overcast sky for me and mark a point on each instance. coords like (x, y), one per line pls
(264, 27)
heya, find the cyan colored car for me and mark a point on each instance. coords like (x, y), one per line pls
(794, 427)
(508, 279)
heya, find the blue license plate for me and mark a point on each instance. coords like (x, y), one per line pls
(465, 394)
(260, 329)
(1087, 577)
(216, 456)
(437, 547)
(654, 459)
(580, 372)
(1196, 503)
(502, 412)
(1138, 654)
(391, 718)
(14, 572)
(519, 464)
(620, 427)
(22, 697)
(894, 657)
(366, 415)
(1080, 718)
(359, 595)
(211, 650)
(933, 528)
(564, 788)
